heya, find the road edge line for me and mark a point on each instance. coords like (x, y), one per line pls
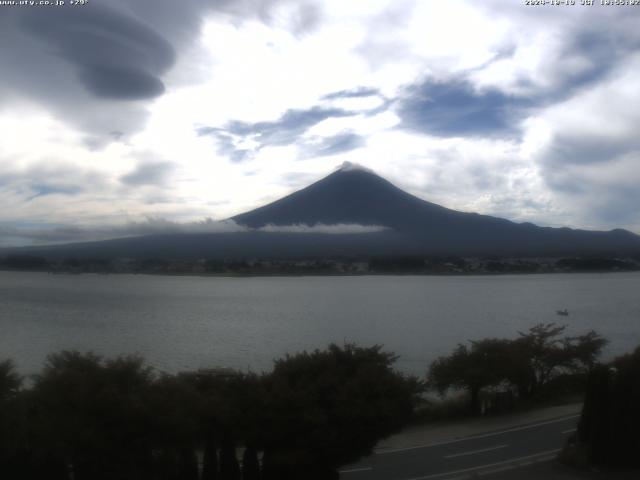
(473, 437)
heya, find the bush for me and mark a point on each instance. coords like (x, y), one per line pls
(116, 419)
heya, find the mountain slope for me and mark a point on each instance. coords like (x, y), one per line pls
(362, 197)
(356, 196)
(346, 196)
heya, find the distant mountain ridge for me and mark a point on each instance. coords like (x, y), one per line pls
(353, 195)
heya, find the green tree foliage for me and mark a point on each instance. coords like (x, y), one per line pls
(528, 363)
(86, 417)
(91, 414)
(472, 368)
(328, 408)
(175, 408)
(610, 418)
(542, 353)
(12, 420)
(10, 381)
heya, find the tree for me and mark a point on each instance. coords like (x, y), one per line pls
(528, 363)
(92, 418)
(328, 408)
(610, 418)
(229, 412)
(176, 409)
(91, 415)
(473, 368)
(250, 464)
(541, 354)
(229, 466)
(10, 381)
(210, 460)
(13, 436)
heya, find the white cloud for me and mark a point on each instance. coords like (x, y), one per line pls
(49, 235)
(337, 229)
(254, 61)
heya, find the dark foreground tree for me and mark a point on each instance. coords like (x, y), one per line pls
(473, 368)
(328, 408)
(541, 354)
(90, 415)
(610, 419)
(209, 460)
(528, 364)
(175, 407)
(229, 466)
(13, 434)
(85, 418)
(250, 464)
(10, 381)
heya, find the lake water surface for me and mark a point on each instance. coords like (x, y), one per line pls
(182, 322)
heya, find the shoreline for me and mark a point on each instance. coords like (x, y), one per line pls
(328, 274)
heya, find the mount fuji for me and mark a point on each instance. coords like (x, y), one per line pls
(321, 220)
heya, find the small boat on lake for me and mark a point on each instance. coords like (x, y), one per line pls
(564, 312)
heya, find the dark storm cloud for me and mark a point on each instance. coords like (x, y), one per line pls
(149, 173)
(95, 66)
(291, 127)
(455, 109)
(600, 35)
(584, 93)
(600, 51)
(114, 55)
(286, 130)
(122, 84)
(180, 20)
(288, 127)
(226, 145)
(585, 54)
(90, 67)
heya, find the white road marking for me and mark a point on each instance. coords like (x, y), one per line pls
(489, 465)
(571, 430)
(473, 452)
(354, 470)
(473, 437)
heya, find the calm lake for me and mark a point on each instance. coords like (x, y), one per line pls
(181, 322)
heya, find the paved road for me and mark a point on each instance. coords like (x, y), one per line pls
(462, 458)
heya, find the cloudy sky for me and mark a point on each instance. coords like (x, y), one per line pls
(120, 116)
